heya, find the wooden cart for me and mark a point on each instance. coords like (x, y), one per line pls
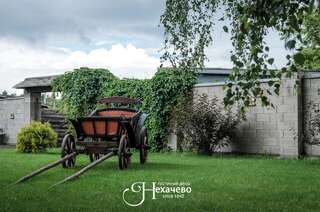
(113, 130)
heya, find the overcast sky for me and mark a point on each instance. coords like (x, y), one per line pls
(44, 37)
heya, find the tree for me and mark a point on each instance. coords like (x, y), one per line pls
(311, 46)
(6, 94)
(189, 25)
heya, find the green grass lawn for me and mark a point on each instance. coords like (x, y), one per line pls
(222, 183)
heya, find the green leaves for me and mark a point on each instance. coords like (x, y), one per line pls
(36, 137)
(83, 87)
(166, 87)
(311, 35)
(299, 58)
(264, 101)
(203, 125)
(291, 44)
(270, 61)
(225, 29)
(188, 32)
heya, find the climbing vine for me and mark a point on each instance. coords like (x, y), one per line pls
(80, 90)
(132, 88)
(83, 87)
(165, 89)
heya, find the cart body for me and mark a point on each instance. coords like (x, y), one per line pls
(110, 129)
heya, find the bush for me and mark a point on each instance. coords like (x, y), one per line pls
(204, 125)
(36, 137)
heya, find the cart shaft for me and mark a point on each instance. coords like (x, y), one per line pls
(83, 170)
(42, 169)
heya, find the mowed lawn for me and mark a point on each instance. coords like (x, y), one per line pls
(219, 183)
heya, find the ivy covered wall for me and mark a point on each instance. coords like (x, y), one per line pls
(82, 88)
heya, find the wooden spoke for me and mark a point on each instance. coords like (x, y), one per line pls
(68, 146)
(124, 152)
(143, 146)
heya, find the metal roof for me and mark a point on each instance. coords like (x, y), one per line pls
(311, 74)
(216, 71)
(45, 81)
(33, 82)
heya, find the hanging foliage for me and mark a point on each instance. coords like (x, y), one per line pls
(188, 26)
(311, 45)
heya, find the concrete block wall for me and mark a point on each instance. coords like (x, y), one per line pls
(15, 113)
(267, 130)
(12, 117)
(311, 105)
(290, 118)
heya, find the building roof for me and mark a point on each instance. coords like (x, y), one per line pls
(34, 82)
(45, 81)
(216, 71)
(312, 74)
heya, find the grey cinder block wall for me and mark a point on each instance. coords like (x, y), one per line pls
(281, 130)
(311, 106)
(15, 113)
(12, 117)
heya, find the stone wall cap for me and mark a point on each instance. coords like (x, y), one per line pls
(12, 98)
(32, 82)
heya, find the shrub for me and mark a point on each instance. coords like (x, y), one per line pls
(36, 137)
(203, 125)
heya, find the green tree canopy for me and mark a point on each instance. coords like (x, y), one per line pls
(311, 46)
(189, 25)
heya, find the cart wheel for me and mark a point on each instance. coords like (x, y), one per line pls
(124, 152)
(143, 146)
(94, 156)
(68, 146)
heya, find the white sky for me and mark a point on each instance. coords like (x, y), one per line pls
(43, 37)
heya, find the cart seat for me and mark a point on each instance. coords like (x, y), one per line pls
(116, 113)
